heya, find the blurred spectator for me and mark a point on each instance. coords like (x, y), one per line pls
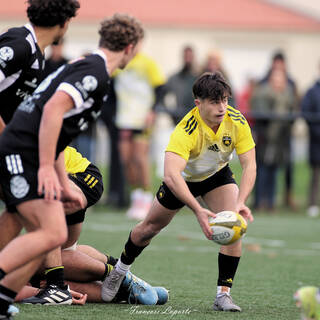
(279, 63)
(56, 59)
(116, 195)
(138, 88)
(213, 64)
(274, 101)
(244, 99)
(178, 90)
(311, 112)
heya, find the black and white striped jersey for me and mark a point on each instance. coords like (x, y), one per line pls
(85, 80)
(21, 68)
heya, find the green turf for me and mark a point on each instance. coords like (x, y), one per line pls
(281, 254)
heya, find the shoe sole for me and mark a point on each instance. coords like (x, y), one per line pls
(215, 308)
(229, 310)
(68, 302)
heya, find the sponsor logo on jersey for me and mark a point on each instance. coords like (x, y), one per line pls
(2, 64)
(83, 124)
(95, 115)
(226, 140)
(82, 90)
(32, 84)
(89, 83)
(6, 53)
(27, 105)
(23, 94)
(19, 187)
(214, 148)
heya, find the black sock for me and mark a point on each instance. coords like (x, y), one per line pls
(55, 276)
(227, 269)
(35, 280)
(130, 252)
(108, 269)
(7, 297)
(111, 260)
(2, 274)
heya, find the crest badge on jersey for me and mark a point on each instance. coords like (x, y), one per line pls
(6, 53)
(89, 83)
(226, 140)
(19, 187)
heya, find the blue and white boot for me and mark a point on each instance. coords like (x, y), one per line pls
(163, 295)
(13, 310)
(140, 292)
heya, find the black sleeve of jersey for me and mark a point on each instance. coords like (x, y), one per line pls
(14, 54)
(84, 79)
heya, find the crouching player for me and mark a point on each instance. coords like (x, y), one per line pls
(85, 178)
(85, 269)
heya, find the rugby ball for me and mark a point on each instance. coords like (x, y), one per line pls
(228, 227)
(308, 301)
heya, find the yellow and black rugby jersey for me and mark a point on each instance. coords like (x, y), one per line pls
(134, 87)
(207, 152)
(74, 161)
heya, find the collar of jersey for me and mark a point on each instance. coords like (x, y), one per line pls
(103, 56)
(31, 29)
(208, 129)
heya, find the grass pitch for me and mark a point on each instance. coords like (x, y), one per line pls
(281, 253)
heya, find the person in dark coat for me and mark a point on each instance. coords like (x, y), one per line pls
(278, 62)
(310, 108)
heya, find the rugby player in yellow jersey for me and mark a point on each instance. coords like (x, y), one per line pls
(196, 164)
(139, 89)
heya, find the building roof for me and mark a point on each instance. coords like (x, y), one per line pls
(221, 14)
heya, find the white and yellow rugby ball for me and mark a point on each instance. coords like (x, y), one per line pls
(228, 227)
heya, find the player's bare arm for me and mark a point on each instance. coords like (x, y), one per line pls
(55, 108)
(173, 166)
(2, 125)
(248, 164)
(68, 195)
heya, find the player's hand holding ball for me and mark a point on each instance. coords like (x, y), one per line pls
(227, 227)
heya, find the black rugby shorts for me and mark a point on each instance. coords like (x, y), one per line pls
(170, 201)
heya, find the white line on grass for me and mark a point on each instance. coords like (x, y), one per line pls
(213, 249)
(311, 249)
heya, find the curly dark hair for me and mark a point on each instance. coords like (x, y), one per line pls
(119, 31)
(49, 13)
(211, 86)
